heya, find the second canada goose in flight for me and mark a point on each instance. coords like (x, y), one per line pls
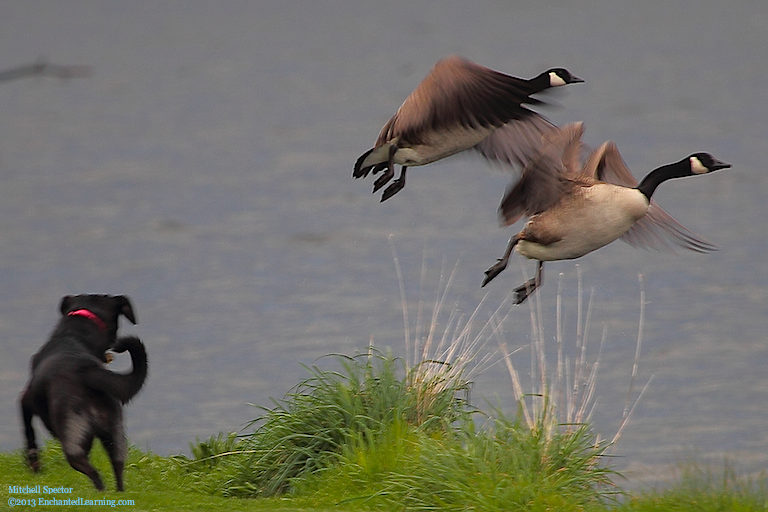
(456, 107)
(576, 209)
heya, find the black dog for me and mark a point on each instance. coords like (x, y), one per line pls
(71, 390)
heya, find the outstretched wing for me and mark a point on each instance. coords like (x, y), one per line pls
(660, 231)
(656, 230)
(458, 92)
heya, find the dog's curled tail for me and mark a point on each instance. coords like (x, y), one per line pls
(123, 386)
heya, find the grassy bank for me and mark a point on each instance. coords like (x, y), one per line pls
(171, 483)
(152, 483)
(375, 435)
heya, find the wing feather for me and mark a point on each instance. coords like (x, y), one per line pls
(516, 142)
(545, 179)
(606, 164)
(659, 231)
(458, 92)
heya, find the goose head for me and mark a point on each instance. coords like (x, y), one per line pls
(692, 165)
(702, 163)
(561, 76)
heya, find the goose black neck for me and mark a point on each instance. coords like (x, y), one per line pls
(539, 83)
(661, 174)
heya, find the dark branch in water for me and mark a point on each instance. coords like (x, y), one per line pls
(42, 68)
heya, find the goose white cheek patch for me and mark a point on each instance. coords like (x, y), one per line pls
(555, 80)
(697, 167)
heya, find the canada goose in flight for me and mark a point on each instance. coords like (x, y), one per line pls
(576, 209)
(460, 105)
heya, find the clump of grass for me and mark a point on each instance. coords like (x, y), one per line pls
(504, 468)
(362, 435)
(308, 430)
(208, 452)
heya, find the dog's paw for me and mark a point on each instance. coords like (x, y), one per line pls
(33, 460)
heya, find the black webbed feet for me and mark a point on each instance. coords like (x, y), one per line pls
(495, 270)
(393, 189)
(360, 171)
(524, 291)
(383, 179)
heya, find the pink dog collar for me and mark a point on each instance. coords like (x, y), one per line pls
(90, 316)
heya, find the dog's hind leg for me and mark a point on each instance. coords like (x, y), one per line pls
(117, 448)
(76, 441)
(78, 459)
(32, 452)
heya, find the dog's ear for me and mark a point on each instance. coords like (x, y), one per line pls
(64, 306)
(125, 308)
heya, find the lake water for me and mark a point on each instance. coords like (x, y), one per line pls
(204, 169)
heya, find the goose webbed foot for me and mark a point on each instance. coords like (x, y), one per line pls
(360, 171)
(527, 289)
(384, 178)
(389, 167)
(495, 270)
(379, 167)
(524, 291)
(395, 187)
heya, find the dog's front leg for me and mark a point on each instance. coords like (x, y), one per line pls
(33, 458)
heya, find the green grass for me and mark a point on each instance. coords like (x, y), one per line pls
(309, 430)
(702, 488)
(152, 482)
(166, 483)
(402, 456)
(493, 470)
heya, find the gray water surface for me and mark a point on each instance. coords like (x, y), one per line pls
(205, 171)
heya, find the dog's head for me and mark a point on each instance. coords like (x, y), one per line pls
(103, 310)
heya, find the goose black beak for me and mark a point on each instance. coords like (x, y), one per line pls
(576, 80)
(717, 165)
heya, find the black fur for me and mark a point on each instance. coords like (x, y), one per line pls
(73, 393)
